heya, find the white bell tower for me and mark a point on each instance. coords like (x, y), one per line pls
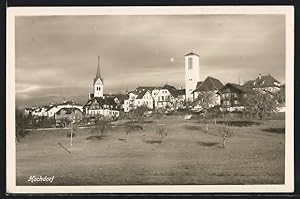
(98, 83)
(192, 74)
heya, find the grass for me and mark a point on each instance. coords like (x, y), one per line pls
(187, 155)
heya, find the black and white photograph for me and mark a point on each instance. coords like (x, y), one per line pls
(168, 99)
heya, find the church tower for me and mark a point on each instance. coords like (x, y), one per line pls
(98, 83)
(192, 74)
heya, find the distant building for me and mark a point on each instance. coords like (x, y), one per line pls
(209, 86)
(192, 74)
(264, 83)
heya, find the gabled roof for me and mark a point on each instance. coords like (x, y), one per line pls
(198, 84)
(102, 101)
(209, 84)
(69, 103)
(141, 93)
(167, 86)
(174, 92)
(191, 53)
(263, 82)
(68, 110)
(121, 97)
(241, 88)
(143, 88)
(181, 92)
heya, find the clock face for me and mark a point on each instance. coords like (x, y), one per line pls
(98, 81)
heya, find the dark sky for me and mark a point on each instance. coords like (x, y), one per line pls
(56, 56)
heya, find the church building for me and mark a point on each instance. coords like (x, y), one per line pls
(99, 104)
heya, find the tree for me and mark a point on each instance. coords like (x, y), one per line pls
(205, 100)
(226, 133)
(162, 133)
(259, 104)
(101, 125)
(20, 125)
(138, 114)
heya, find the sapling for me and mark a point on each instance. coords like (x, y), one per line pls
(162, 133)
(226, 133)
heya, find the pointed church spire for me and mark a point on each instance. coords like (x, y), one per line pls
(98, 75)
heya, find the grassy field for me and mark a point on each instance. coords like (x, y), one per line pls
(187, 155)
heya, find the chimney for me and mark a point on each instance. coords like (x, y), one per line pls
(259, 76)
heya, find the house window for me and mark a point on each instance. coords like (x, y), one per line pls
(226, 103)
(190, 62)
(234, 94)
(235, 102)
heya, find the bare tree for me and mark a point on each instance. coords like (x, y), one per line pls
(101, 125)
(225, 133)
(162, 133)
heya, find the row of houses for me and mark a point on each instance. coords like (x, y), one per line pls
(229, 96)
(55, 110)
(155, 97)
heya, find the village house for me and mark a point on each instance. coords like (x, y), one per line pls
(168, 97)
(210, 86)
(138, 98)
(264, 83)
(72, 114)
(54, 108)
(232, 97)
(105, 106)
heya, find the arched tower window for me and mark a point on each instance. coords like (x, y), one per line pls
(190, 62)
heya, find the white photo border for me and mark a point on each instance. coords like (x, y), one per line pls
(12, 12)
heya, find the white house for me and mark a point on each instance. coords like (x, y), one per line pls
(137, 98)
(168, 96)
(54, 108)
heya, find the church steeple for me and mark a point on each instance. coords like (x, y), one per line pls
(98, 82)
(98, 74)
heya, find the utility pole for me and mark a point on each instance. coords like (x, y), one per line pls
(71, 125)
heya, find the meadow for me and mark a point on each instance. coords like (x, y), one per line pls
(187, 155)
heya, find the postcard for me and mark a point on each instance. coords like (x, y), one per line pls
(177, 99)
